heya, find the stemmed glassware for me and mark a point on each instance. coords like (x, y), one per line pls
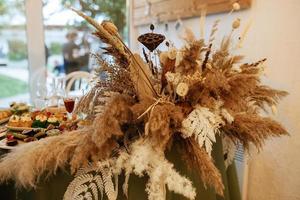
(69, 103)
(41, 99)
(57, 92)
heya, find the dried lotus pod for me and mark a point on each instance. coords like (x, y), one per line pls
(151, 40)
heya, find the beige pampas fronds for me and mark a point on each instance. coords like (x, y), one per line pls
(220, 56)
(190, 55)
(251, 128)
(161, 118)
(27, 163)
(197, 158)
(88, 102)
(216, 81)
(264, 95)
(116, 114)
(98, 144)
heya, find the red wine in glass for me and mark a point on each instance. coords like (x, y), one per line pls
(69, 104)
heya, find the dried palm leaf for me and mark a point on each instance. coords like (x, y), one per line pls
(141, 76)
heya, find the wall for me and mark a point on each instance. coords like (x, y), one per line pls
(274, 173)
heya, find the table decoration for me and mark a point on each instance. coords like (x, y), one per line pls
(193, 94)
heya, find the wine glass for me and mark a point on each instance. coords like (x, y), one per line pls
(69, 103)
(40, 101)
(57, 91)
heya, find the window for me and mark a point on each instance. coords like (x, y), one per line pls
(65, 31)
(13, 52)
(22, 51)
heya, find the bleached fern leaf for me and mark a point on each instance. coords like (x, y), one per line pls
(108, 183)
(203, 125)
(94, 190)
(88, 196)
(80, 197)
(81, 189)
(91, 167)
(76, 184)
(88, 182)
(99, 183)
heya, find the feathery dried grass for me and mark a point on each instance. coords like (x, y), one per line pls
(241, 87)
(215, 81)
(163, 119)
(197, 158)
(27, 163)
(116, 114)
(251, 128)
(264, 95)
(221, 55)
(118, 79)
(87, 151)
(88, 102)
(191, 55)
(107, 127)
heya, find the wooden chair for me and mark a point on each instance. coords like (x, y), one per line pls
(77, 81)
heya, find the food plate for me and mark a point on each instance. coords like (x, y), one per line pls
(13, 128)
(4, 120)
(3, 144)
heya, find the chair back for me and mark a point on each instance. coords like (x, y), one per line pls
(76, 81)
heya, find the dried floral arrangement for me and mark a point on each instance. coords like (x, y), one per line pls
(193, 93)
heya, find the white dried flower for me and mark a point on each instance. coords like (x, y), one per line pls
(182, 89)
(236, 24)
(173, 78)
(170, 77)
(236, 6)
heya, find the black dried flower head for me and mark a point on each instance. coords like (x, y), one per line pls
(151, 40)
(167, 44)
(152, 27)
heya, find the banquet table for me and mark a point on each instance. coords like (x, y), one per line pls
(54, 187)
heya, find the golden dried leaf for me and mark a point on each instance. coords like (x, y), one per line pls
(141, 76)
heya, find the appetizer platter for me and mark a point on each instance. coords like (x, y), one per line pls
(24, 125)
(5, 115)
